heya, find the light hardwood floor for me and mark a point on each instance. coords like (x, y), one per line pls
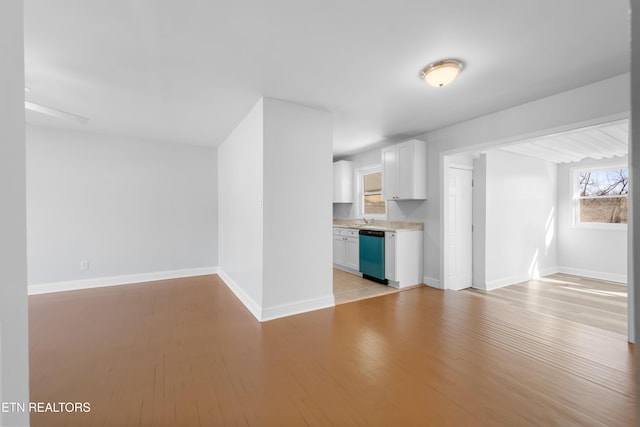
(186, 352)
(593, 302)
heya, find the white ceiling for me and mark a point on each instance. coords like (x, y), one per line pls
(189, 71)
(596, 142)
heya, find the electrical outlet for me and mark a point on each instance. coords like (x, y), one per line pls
(84, 265)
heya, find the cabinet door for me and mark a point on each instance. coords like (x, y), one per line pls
(343, 182)
(390, 256)
(405, 171)
(353, 252)
(390, 173)
(339, 250)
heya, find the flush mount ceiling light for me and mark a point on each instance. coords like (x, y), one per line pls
(441, 73)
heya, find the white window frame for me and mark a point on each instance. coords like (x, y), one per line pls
(575, 202)
(360, 172)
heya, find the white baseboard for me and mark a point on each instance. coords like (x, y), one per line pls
(297, 307)
(622, 278)
(512, 280)
(275, 312)
(432, 282)
(98, 282)
(505, 281)
(251, 305)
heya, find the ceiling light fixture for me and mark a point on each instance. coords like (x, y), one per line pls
(442, 73)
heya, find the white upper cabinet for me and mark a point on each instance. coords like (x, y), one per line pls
(404, 171)
(343, 182)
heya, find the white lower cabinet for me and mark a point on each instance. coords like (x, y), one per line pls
(346, 248)
(339, 250)
(403, 255)
(353, 253)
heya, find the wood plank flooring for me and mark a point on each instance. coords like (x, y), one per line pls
(593, 302)
(185, 352)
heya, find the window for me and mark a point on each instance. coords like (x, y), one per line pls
(601, 196)
(371, 204)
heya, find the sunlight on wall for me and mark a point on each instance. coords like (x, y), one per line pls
(534, 271)
(550, 228)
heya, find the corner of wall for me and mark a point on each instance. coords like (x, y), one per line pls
(251, 305)
(298, 307)
(432, 282)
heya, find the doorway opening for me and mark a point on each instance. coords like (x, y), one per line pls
(526, 222)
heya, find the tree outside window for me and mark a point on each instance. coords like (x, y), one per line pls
(602, 196)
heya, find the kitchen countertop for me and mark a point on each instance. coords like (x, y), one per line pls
(379, 225)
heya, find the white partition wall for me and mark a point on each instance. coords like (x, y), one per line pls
(520, 235)
(275, 197)
(14, 333)
(240, 196)
(298, 185)
(634, 161)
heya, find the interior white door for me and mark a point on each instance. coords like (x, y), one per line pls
(459, 233)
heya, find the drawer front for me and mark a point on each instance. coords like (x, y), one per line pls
(349, 232)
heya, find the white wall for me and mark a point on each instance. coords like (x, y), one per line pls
(479, 205)
(298, 175)
(520, 234)
(127, 206)
(240, 216)
(601, 101)
(14, 333)
(588, 252)
(275, 189)
(634, 213)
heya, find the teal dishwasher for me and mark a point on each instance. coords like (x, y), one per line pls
(372, 255)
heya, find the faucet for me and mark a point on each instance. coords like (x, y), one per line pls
(365, 220)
